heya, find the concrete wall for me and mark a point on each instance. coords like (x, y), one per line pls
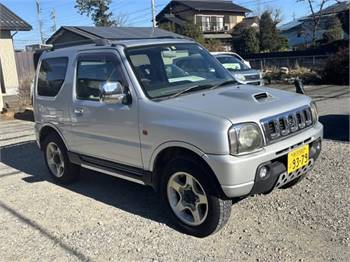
(8, 63)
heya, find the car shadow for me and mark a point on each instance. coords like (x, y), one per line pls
(130, 197)
(336, 127)
(26, 115)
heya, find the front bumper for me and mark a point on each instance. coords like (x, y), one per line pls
(237, 175)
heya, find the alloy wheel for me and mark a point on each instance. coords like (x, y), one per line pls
(187, 198)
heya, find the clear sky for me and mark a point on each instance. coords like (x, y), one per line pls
(138, 13)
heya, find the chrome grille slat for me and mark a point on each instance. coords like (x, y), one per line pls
(286, 124)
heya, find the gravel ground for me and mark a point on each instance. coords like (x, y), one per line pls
(104, 218)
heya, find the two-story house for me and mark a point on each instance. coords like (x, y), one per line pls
(299, 32)
(216, 18)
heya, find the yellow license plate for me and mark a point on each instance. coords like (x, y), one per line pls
(298, 158)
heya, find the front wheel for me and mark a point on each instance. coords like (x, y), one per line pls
(192, 200)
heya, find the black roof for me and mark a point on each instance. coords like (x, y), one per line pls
(204, 5)
(114, 33)
(212, 5)
(335, 8)
(10, 21)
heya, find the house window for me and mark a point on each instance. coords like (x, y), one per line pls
(206, 23)
(211, 23)
(219, 23)
(51, 76)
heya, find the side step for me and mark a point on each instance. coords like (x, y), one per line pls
(133, 174)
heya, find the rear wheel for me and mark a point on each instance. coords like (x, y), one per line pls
(56, 158)
(192, 201)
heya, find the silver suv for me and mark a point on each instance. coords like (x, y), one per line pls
(165, 113)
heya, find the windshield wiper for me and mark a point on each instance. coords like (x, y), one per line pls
(227, 82)
(189, 89)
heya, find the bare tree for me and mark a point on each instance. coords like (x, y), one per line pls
(316, 8)
(121, 19)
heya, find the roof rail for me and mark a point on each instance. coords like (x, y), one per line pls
(102, 42)
(109, 42)
(97, 42)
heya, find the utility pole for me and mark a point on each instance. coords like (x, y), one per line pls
(40, 22)
(154, 22)
(53, 19)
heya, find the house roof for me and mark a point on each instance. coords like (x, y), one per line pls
(335, 8)
(330, 10)
(211, 5)
(290, 25)
(205, 5)
(10, 21)
(174, 19)
(114, 33)
(246, 23)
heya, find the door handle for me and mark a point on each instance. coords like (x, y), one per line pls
(78, 111)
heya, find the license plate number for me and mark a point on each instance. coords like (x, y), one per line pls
(298, 158)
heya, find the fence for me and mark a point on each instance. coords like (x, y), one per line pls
(312, 62)
(25, 65)
(314, 58)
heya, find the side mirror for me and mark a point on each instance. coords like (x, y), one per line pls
(113, 93)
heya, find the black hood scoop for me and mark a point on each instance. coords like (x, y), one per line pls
(263, 97)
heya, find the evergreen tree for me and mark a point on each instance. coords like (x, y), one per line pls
(269, 37)
(247, 42)
(335, 31)
(98, 10)
(193, 31)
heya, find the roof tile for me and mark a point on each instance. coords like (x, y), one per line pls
(10, 21)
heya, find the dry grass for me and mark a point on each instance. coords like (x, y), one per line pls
(308, 76)
(24, 91)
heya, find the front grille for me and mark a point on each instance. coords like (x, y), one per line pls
(286, 124)
(252, 77)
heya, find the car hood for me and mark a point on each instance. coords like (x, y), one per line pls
(240, 103)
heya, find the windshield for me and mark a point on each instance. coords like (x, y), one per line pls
(166, 70)
(231, 63)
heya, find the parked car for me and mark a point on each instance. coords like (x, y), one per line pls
(234, 55)
(190, 132)
(240, 71)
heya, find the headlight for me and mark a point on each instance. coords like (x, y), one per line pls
(245, 138)
(239, 77)
(314, 112)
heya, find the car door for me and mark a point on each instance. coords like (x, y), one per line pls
(104, 131)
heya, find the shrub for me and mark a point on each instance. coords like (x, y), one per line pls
(336, 70)
(307, 75)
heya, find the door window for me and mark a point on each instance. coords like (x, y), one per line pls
(92, 75)
(51, 76)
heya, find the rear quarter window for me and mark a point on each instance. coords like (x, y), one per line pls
(51, 76)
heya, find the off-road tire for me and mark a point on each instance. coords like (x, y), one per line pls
(219, 210)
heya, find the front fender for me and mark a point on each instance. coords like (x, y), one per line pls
(169, 144)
